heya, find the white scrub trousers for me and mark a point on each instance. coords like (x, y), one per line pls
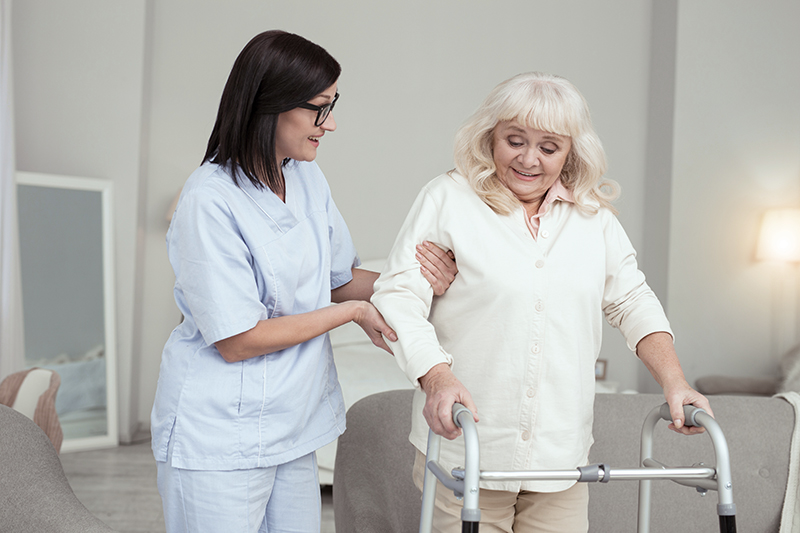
(276, 499)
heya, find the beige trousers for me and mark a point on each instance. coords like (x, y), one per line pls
(510, 512)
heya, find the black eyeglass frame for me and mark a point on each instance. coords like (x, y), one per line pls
(322, 110)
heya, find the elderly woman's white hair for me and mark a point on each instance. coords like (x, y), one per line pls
(544, 102)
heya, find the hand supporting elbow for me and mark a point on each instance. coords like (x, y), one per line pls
(371, 321)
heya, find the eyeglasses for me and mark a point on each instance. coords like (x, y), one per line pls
(322, 110)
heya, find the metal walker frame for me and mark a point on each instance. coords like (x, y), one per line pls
(465, 482)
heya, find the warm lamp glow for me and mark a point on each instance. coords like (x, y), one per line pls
(780, 236)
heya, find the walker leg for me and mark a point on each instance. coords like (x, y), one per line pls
(429, 485)
(727, 524)
(646, 452)
(470, 527)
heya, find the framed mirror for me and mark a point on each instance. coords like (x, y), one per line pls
(66, 259)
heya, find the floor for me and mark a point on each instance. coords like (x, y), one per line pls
(118, 485)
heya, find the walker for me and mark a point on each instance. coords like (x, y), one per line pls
(464, 482)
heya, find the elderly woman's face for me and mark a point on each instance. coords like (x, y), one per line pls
(528, 161)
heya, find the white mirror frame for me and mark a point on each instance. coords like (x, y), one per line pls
(105, 188)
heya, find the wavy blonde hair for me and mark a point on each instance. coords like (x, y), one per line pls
(543, 102)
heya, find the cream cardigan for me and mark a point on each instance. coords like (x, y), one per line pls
(521, 325)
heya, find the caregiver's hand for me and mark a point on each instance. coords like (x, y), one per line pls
(373, 324)
(442, 390)
(438, 267)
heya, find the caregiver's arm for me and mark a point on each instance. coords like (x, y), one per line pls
(359, 288)
(282, 332)
(438, 267)
(657, 352)
(278, 333)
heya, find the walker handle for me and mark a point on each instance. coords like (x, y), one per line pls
(457, 410)
(471, 512)
(689, 412)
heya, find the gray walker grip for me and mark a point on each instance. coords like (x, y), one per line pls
(690, 413)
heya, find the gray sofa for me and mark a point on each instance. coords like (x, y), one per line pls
(35, 496)
(373, 491)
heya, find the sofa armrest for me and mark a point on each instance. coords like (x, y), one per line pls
(36, 494)
(372, 485)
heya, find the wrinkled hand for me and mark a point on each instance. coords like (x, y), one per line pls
(679, 395)
(438, 266)
(373, 324)
(442, 390)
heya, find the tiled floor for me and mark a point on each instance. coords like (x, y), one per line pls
(118, 485)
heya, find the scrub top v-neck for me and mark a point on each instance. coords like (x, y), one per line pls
(241, 255)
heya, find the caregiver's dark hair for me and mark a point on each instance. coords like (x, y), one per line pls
(275, 72)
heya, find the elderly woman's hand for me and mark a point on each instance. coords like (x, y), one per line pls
(442, 390)
(679, 394)
(438, 266)
(657, 352)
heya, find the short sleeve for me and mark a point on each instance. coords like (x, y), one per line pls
(213, 267)
(343, 252)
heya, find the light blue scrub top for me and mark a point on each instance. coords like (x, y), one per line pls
(241, 255)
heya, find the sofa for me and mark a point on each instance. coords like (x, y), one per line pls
(373, 491)
(35, 496)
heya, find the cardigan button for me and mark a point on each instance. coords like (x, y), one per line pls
(539, 263)
(545, 234)
(526, 435)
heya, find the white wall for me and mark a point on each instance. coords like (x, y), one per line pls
(737, 153)
(81, 68)
(78, 71)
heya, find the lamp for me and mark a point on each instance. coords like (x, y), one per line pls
(779, 239)
(779, 242)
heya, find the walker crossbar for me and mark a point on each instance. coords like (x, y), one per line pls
(464, 482)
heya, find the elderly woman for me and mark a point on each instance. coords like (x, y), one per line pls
(542, 259)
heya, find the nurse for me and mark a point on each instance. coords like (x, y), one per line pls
(247, 389)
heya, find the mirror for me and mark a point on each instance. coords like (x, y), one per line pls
(66, 251)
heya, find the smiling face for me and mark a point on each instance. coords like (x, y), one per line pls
(528, 161)
(296, 136)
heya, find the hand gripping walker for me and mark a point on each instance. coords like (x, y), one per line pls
(464, 482)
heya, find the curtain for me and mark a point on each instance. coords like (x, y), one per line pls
(12, 347)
